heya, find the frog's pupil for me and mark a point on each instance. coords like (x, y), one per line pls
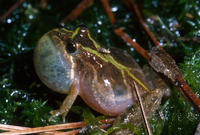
(70, 47)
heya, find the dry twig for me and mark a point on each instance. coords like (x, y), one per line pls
(77, 11)
(24, 130)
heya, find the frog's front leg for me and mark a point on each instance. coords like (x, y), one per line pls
(67, 103)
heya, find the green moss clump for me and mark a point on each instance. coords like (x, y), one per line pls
(191, 71)
(18, 107)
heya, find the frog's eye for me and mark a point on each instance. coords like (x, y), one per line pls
(71, 47)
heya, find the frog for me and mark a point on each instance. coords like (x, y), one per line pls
(72, 62)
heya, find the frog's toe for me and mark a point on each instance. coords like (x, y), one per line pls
(64, 116)
(56, 113)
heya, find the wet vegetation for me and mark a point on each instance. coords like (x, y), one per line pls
(26, 101)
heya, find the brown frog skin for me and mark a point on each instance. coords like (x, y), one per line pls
(73, 63)
(151, 102)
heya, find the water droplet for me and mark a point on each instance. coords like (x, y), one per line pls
(98, 31)
(128, 44)
(132, 49)
(127, 16)
(99, 22)
(163, 27)
(24, 96)
(114, 9)
(30, 17)
(198, 33)
(14, 92)
(170, 24)
(95, 25)
(134, 40)
(9, 20)
(177, 33)
(149, 20)
(19, 46)
(161, 42)
(3, 121)
(24, 34)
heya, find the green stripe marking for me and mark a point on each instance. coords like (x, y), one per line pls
(122, 68)
(109, 58)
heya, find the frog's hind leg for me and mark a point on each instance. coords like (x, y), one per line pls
(67, 103)
(155, 81)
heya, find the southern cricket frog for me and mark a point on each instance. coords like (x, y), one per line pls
(73, 63)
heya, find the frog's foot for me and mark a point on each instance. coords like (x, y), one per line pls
(66, 105)
(58, 112)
